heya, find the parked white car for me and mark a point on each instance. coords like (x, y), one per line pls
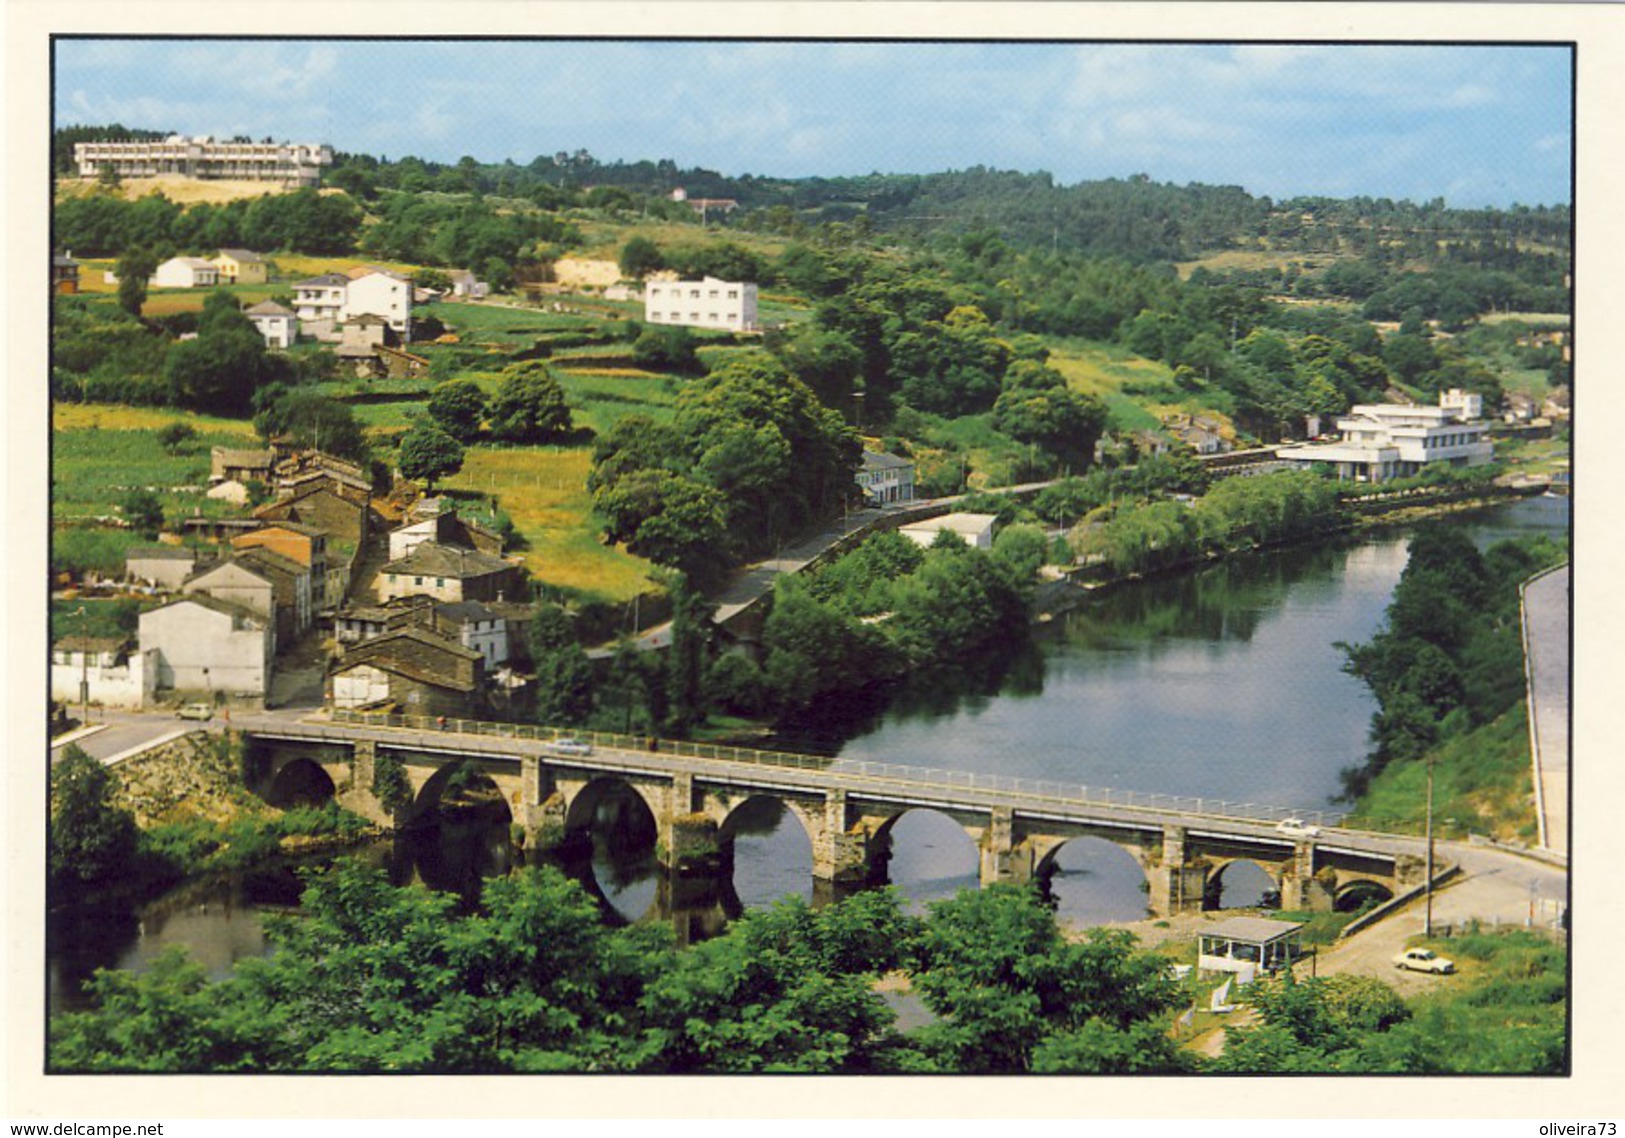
(568, 746)
(195, 711)
(1424, 960)
(1297, 828)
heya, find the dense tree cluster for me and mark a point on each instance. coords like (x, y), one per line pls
(1236, 513)
(374, 978)
(887, 609)
(1450, 657)
(104, 224)
(750, 458)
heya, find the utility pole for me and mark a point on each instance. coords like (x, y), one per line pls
(84, 670)
(1427, 920)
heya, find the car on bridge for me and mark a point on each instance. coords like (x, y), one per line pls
(1424, 960)
(1297, 828)
(569, 746)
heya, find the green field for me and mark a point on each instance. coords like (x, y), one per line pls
(98, 453)
(544, 491)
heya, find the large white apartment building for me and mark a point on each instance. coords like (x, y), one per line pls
(290, 163)
(707, 303)
(1395, 440)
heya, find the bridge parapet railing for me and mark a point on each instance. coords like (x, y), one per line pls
(1045, 789)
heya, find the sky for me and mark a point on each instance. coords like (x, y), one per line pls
(1476, 125)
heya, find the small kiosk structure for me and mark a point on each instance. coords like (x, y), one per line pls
(1246, 946)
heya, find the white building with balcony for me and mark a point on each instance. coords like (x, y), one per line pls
(1381, 441)
(707, 303)
(288, 163)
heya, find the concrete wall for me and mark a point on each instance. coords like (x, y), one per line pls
(111, 685)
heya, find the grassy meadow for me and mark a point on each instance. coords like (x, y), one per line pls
(544, 491)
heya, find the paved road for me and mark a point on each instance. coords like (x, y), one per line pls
(1495, 888)
(1546, 640)
(125, 731)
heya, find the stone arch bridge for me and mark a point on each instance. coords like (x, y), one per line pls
(692, 791)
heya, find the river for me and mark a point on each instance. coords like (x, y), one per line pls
(1222, 683)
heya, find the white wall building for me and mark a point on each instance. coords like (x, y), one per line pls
(112, 672)
(207, 646)
(976, 530)
(476, 627)
(384, 294)
(885, 478)
(707, 303)
(278, 326)
(1381, 441)
(289, 163)
(319, 302)
(186, 272)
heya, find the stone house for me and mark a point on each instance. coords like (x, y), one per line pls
(475, 626)
(304, 544)
(240, 465)
(444, 527)
(418, 671)
(355, 622)
(450, 573)
(64, 273)
(291, 591)
(205, 646)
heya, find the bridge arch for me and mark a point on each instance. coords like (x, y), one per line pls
(1092, 879)
(927, 849)
(768, 841)
(302, 781)
(626, 807)
(1353, 895)
(468, 779)
(1249, 882)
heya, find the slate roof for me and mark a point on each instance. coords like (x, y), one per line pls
(326, 280)
(464, 611)
(159, 553)
(254, 458)
(876, 460)
(92, 644)
(267, 308)
(216, 566)
(214, 604)
(293, 527)
(382, 652)
(243, 256)
(431, 559)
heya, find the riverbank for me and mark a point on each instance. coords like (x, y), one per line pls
(1053, 598)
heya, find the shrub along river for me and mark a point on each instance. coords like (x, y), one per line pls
(1221, 683)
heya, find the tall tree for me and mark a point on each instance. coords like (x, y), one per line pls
(429, 454)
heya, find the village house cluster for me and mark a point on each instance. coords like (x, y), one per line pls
(411, 606)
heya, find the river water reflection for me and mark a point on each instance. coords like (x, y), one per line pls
(1225, 683)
